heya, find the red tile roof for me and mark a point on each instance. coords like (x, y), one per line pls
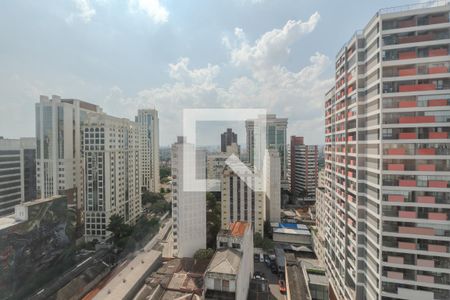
(238, 228)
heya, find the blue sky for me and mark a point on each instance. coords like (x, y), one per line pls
(125, 55)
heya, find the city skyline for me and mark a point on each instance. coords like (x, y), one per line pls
(227, 66)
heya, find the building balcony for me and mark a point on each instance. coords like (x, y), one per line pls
(437, 19)
(425, 278)
(407, 135)
(437, 184)
(395, 260)
(437, 216)
(407, 183)
(416, 119)
(396, 151)
(407, 245)
(437, 70)
(437, 102)
(437, 52)
(415, 38)
(427, 263)
(437, 248)
(437, 135)
(426, 151)
(407, 214)
(394, 275)
(407, 55)
(406, 104)
(426, 168)
(416, 87)
(416, 230)
(396, 167)
(406, 23)
(407, 72)
(396, 198)
(426, 199)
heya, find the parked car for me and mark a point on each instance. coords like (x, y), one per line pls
(256, 257)
(261, 257)
(258, 275)
(273, 268)
(282, 285)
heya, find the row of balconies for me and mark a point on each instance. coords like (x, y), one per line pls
(416, 53)
(413, 166)
(412, 22)
(440, 248)
(412, 86)
(432, 198)
(439, 150)
(430, 135)
(414, 37)
(415, 183)
(414, 103)
(419, 261)
(409, 229)
(415, 213)
(412, 71)
(408, 275)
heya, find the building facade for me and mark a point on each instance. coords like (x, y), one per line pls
(235, 250)
(59, 165)
(274, 137)
(149, 121)
(112, 186)
(387, 159)
(17, 173)
(272, 188)
(304, 171)
(241, 201)
(188, 199)
(227, 139)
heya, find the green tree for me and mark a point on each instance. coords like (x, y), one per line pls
(213, 218)
(118, 227)
(204, 253)
(150, 197)
(259, 242)
(164, 172)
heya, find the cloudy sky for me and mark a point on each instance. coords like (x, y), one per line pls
(130, 54)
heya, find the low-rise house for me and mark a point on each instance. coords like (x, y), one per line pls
(230, 270)
(293, 234)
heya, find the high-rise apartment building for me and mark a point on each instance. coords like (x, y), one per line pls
(387, 126)
(188, 198)
(148, 119)
(227, 139)
(17, 173)
(304, 168)
(249, 196)
(275, 138)
(111, 155)
(272, 185)
(241, 201)
(59, 165)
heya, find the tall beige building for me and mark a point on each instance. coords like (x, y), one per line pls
(59, 165)
(249, 196)
(149, 122)
(112, 186)
(387, 125)
(188, 198)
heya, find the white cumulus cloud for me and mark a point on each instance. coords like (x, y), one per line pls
(153, 8)
(85, 11)
(273, 46)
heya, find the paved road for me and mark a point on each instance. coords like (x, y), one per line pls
(272, 278)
